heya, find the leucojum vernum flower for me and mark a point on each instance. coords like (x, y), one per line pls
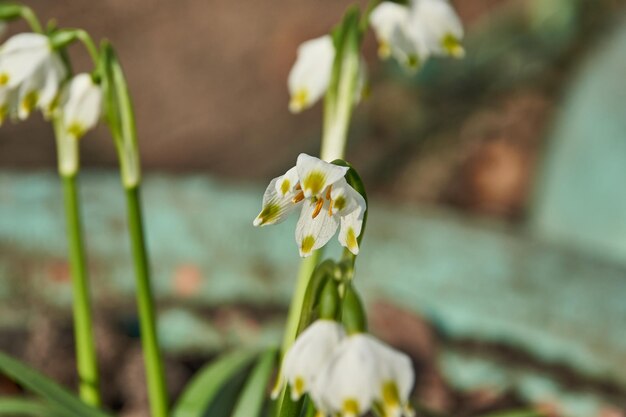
(330, 363)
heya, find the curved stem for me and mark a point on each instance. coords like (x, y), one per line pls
(155, 375)
(89, 44)
(31, 18)
(83, 323)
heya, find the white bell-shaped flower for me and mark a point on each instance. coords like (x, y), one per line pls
(30, 73)
(436, 22)
(81, 105)
(310, 75)
(311, 183)
(311, 350)
(361, 373)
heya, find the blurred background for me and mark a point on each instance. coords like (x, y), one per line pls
(496, 248)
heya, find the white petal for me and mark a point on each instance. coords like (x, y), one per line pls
(310, 75)
(351, 226)
(439, 26)
(287, 183)
(311, 350)
(313, 233)
(315, 175)
(55, 73)
(21, 55)
(81, 110)
(385, 19)
(29, 93)
(350, 378)
(275, 208)
(345, 198)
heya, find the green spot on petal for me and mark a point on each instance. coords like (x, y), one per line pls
(314, 182)
(452, 46)
(298, 386)
(307, 244)
(350, 407)
(391, 397)
(284, 187)
(29, 102)
(268, 214)
(339, 203)
(76, 130)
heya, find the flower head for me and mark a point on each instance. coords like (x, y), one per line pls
(362, 372)
(412, 33)
(327, 201)
(81, 105)
(30, 75)
(310, 75)
(309, 353)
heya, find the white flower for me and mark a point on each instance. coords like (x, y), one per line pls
(439, 26)
(81, 105)
(309, 353)
(412, 33)
(363, 372)
(310, 75)
(327, 201)
(30, 75)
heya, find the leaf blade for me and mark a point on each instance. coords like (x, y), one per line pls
(251, 401)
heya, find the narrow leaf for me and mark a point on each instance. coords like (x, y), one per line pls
(251, 401)
(59, 397)
(26, 407)
(205, 386)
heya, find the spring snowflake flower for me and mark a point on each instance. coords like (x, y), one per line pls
(310, 76)
(30, 75)
(309, 353)
(412, 33)
(81, 105)
(326, 200)
(361, 373)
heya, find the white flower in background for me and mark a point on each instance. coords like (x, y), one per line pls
(81, 105)
(30, 75)
(439, 26)
(309, 353)
(310, 75)
(362, 372)
(326, 199)
(412, 33)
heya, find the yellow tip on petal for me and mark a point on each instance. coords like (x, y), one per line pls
(351, 241)
(267, 215)
(299, 101)
(307, 245)
(453, 46)
(350, 408)
(4, 78)
(313, 183)
(29, 102)
(297, 389)
(285, 186)
(384, 51)
(76, 130)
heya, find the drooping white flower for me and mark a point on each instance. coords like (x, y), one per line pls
(436, 22)
(310, 75)
(30, 75)
(413, 32)
(363, 372)
(326, 199)
(81, 105)
(311, 350)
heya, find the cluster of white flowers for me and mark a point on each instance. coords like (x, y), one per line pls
(409, 33)
(327, 201)
(33, 75)
(347, 375)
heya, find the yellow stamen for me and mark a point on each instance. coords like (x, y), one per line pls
(298, 187)
(298, 198)
(330, 189)
(318, 208)
(330, 208)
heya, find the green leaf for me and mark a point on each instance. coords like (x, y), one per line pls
(250, 403)
(14, 407)
(10, 11)
(354, 179)
(57, 396)
(207, 383)
(323, 271)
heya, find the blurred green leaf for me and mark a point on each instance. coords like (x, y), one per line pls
(60, 398)
(10, 406)
(207, 383)
(9, 11)
(250, 403)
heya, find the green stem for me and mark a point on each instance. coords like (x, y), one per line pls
(307, 266)
(83, 325)
(155, 375)
(89, 44)
(30, 17)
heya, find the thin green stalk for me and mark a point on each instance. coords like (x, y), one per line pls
(31, 18)
(155, 375)
(83, 324)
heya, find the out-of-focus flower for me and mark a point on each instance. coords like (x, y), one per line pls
(310, 75)
(361, 373)
(30, 75)
(326, 199)
(81, 105)
(311, 350)
(412, 33)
